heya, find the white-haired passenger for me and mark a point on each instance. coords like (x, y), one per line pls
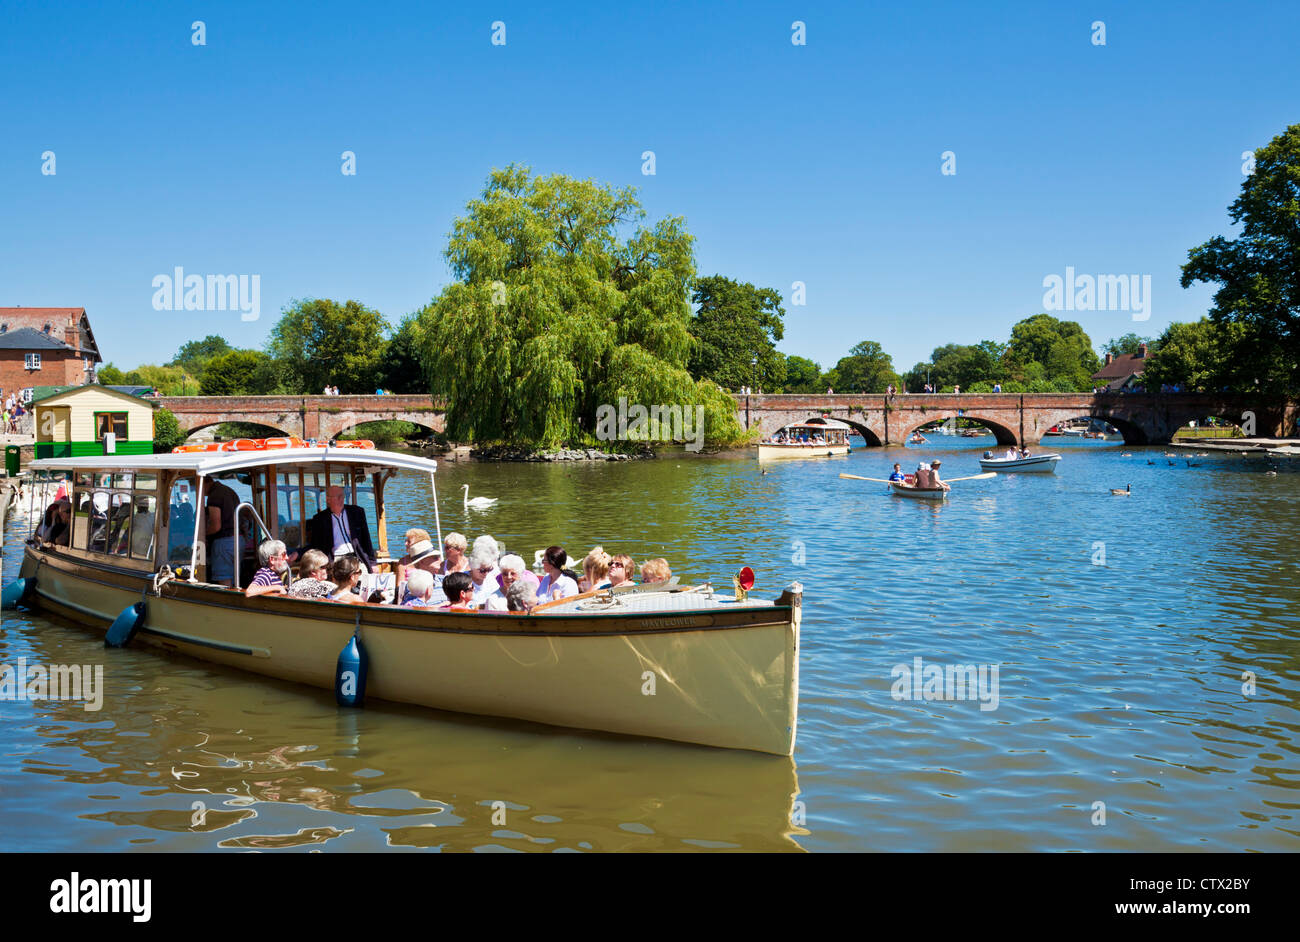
(274, 560)
(419, 589)
(483, 569)
(520, 597)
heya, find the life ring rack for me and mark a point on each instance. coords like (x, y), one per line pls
(268, 444)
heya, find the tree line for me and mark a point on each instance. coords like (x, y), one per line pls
(564, 299)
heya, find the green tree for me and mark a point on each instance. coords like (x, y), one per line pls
(195, 354)
(318, 342)
(557, 310)
(735, 326)
(167, 432)
(802, 375)
(402, 370)
(867, 369)
(168, 380)
(1127, 345)
(240, 373)
(110, 375)
(1258, 273)
(1061, 347)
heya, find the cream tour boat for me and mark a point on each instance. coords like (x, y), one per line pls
(664, 661)
(815, 438)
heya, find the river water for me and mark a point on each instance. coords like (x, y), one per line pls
(1121, 629)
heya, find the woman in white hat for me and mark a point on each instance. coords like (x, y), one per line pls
(420, 554)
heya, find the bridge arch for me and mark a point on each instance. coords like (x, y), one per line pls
(1004, 435)
(267, 431)
(871, 438)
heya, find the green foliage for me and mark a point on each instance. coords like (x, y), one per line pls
(802, 375)
(229, 430)
(1209, 356)
(167, 432)
(557, 309)
(110, 375)
(195, 354)
(1259, 273)
(240, 373)
(1127, 345)
(319, 342)
(1060, 347)
(867, 369)
(402, 370)
(385, 433)
(735, 330)
(168, 380)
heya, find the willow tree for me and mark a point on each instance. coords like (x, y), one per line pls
(562, 303)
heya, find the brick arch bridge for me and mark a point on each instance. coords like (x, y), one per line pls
(1143, 418)
(304, 416)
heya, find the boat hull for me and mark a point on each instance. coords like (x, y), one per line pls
(723, 677)
(1038, 464)
(918, 493)
(782, 452)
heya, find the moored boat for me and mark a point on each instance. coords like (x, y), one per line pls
(1045, 463)
(819, 437)
(721, 670)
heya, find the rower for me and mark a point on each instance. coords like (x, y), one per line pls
(898, 473)
(934, 475)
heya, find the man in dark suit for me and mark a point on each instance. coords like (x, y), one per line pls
(341, 525)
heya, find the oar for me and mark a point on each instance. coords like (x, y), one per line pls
(973, 477)
(858, 477)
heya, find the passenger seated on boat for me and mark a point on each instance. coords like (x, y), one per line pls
(934, 475)
(898, 473)
(56, 523)
(346, 573)
(655, 570)
(420, 553)
(269, 580)
(314, 582)
(511, 570)
(483, 570)
(621, 568)
(1011, 454)
(555, 584)
(459, 589)
(924, 476)
(520, 597)
(453, 559)
(419, 590)
(595, 568)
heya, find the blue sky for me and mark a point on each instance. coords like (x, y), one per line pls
(818, 163)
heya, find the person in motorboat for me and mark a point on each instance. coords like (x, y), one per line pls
(655, 570)
(512, 570)
(341, 529)
(621, 568)
(454, 559)
(313, 582)
(269, 579)
(595, 569)
(459, 589)
(420, 553)
(1012, 454)
(346, 573)
(555, 584)
(483, 570)
(419, 590)
(898, 474)
(520, 597)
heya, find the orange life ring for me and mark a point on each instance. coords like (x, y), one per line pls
(242, 444)
(270, 443)
(357, 443)
(185, 449)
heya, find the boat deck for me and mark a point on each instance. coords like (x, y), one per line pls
(638, 603)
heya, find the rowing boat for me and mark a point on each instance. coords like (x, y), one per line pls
(669, 662)
(920, 493)
(1037, 463)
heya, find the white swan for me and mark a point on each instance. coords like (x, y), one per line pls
(477, 502)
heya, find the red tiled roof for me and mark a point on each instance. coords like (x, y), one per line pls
(17, 318)
(1121, 367)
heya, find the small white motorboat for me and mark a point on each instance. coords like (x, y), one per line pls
(1041, 463)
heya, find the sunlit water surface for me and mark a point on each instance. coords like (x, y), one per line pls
(1121, 627)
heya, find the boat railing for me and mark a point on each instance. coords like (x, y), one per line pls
(239, 549)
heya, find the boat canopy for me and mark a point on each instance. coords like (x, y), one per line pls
(821, 424)
(215, 462)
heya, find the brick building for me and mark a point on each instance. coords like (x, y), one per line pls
(1123, 371)
(46, 346)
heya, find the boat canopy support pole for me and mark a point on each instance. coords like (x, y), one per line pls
(437, 520)
(198, 523)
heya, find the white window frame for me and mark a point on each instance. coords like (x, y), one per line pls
(26, 394)
(32, 361)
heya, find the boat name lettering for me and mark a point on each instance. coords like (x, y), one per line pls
(669, 622)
